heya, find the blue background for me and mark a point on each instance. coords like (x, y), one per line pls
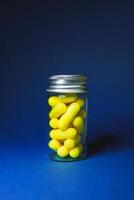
(42, 38)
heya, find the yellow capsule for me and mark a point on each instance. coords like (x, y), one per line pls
(68, 116)
(82, 113)
(80, 102)
(75, 152)
(53, 133)
(53, 101)
(78, 124)
(62, 151)
(69, 143)
(63, 134)
(54, 144)
(53, 123)
(69, 98)
(58, 110)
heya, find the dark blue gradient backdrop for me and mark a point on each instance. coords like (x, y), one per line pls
(42, 38)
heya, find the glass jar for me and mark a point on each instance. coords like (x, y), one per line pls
(68, 117)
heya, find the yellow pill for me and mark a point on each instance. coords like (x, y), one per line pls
(53, 123)
(53, 101)
(54, 144)
(58, 110)
(54, 133)
(75, 152)
(82, 113)
(69, 143)
(62, 151)
(80, 102)
(69, 115)
(63, 134)
(78, 124)
(69, 98)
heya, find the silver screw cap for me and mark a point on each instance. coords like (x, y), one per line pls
(68, 84)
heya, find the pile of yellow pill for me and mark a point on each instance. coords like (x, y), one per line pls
(67, 122)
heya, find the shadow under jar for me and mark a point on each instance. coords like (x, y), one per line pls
(68, 117)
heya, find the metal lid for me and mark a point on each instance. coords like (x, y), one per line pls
(68, 84)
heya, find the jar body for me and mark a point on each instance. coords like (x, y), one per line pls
(68, 126)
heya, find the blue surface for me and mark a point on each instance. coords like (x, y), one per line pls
(38, 39)
(28, 174)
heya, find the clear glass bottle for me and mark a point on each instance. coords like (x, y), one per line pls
(68, 117)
